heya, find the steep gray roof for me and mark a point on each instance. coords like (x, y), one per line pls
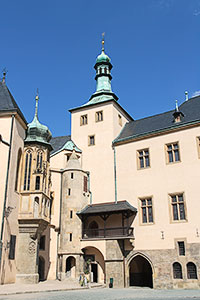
(107, 208)
(58, 142)
(7, 102)
(161, 122)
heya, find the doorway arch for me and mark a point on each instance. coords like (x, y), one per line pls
(70, 267)
(140, 272)
(41, 268)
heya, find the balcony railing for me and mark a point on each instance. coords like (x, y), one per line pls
(108, 233)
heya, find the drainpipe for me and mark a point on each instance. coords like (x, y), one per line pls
(88, 175)
(58, 234)
(115, 175)
(6, 186)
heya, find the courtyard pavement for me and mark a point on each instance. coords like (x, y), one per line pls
(110, 294)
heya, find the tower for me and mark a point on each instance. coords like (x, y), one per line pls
(75, 196)
(35, 200)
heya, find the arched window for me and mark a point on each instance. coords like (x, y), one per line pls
(177, 271)
(39, 160)
(18, 167)
(27, 171)
(105, 70)
(37, 183)
(191, 271)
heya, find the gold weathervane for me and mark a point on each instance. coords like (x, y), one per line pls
(103, 35)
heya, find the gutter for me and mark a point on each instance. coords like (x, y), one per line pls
(6, 188)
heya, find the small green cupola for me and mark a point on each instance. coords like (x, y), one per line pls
(37, 132)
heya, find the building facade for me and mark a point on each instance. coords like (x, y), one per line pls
(116, 201)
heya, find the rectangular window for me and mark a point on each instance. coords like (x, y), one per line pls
(181, 248)
(120, 120)
(85, 183)
(91, 140)
(83, 120)
(12, 247)
(72, 175)
(69, 192)
(178, 207)
(70, 237)
(146, 210)
(71, 214)
(99, 116)
(173, 154)
(42, 242)
(143, 158)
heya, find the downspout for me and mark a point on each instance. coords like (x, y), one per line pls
(58, 233)
(115, 175)
(88, 175)
(6, 188)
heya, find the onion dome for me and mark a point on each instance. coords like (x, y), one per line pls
(102, 58)
(36, 131)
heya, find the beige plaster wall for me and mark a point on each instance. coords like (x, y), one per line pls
(159, 181)
(98, 159)
(11, 223)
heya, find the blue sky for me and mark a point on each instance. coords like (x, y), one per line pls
(154, 47)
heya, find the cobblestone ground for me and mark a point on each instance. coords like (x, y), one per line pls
(111, 294)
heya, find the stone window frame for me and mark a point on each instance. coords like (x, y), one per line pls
(89, 140)
(177, 274)
(142, 153)
(83, 120)
(140, 199)
(189, 271)
(171, 159)
(99, 116)
(170, 196)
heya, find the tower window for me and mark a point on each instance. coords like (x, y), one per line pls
(72, 175)
(91, 140)
(37, 183)
(39, 161)
(181, 248)
(17, 170)
(99, 116)
(83, 120)
(71, 214)
(69, 192)
(105, 70)
(70, 237)
(85, 183)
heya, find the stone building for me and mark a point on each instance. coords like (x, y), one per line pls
(116, 200)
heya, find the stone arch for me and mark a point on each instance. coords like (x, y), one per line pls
(94, 264)
(70, 267)
(140, 270)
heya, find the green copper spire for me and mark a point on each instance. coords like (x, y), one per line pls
(37, 132)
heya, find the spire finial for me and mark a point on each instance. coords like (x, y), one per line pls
(102, 42)
(36, 103)
(4, 75)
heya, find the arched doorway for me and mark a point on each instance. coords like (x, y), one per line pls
(140, 272)
(41, 268)
(94, 264)
(70, 267)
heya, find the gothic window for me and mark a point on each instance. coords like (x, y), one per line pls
(27, 171)
(18, 167)
(39, 160)
(177, 271)
(191, 271)
(83, 120)
(37, 183)
(99, 116)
